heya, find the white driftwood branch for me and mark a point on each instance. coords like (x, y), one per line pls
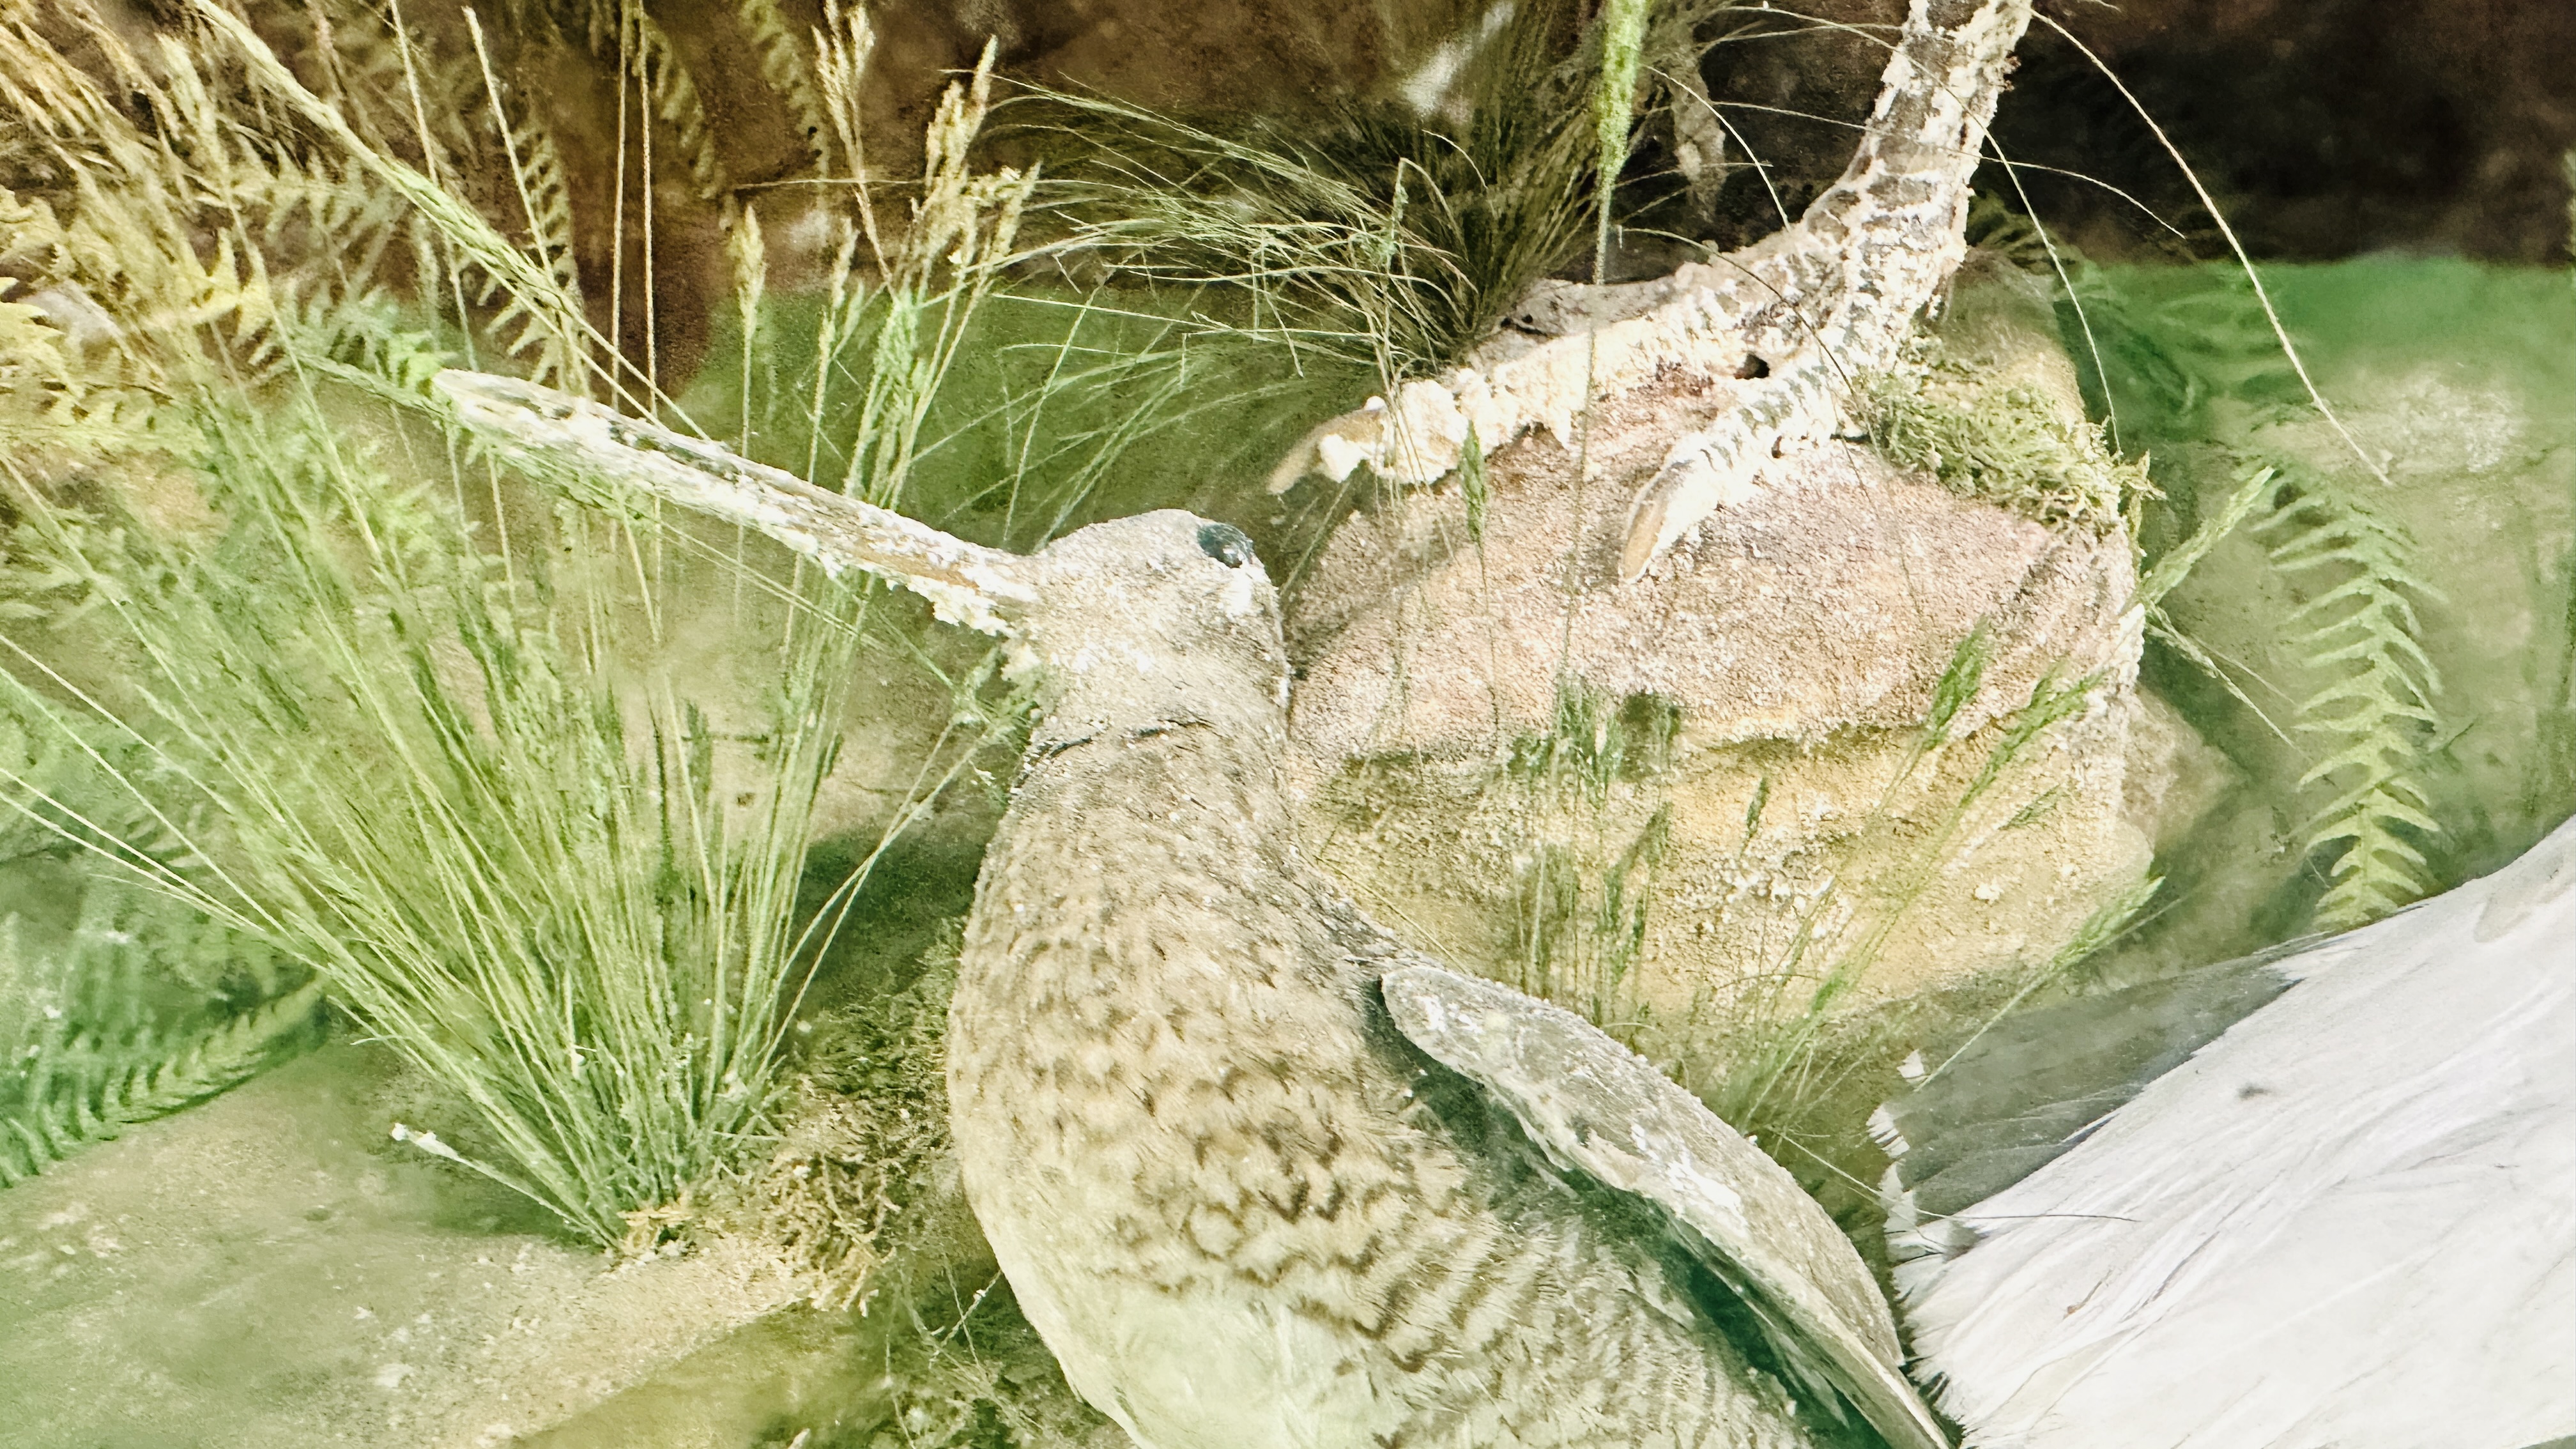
(1796, 316)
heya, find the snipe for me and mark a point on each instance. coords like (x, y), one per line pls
(1259, 1174)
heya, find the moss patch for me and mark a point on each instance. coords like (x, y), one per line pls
(2008, 444)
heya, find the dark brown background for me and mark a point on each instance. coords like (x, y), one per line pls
(2325, 127)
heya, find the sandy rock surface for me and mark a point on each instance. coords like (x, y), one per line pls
(1786, 653)
(1831, 601)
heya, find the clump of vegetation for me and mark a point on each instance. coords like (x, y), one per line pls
(862, 1175)
(1578, 929)
(1782, 1051)
(864, 1191)
(1782, 1040)
(970, 1373)
(417, 734)
(1579, 909)
(2009, 445)
(1594, 740)
(1394, 236)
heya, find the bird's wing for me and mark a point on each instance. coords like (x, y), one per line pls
(2350, 1219)
(1596, 1107)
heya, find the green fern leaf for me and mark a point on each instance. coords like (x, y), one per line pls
(76, 1110)
(2374, 703)
(789, 71)
(674, 95)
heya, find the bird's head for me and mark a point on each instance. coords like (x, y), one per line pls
(1161, 619)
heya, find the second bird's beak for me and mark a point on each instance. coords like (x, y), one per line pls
(981, 588)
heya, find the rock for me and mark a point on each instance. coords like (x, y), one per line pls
(2174, 778)
(1688, 800)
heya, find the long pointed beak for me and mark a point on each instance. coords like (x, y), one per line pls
(981, 588)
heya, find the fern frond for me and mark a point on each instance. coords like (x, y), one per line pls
(673, 95)
(369, 348)
(53, 398)
(74, 1109)
(64, 785)
(2374, 706)
(2204, 362)
(398, 85)
(549, 205)
(329, 206)
(545, 205)
(789, 71)
(88, 1018)
(200, 237)
(474, 241)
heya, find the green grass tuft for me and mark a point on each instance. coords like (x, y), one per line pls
(1388, 237)
(412, 720)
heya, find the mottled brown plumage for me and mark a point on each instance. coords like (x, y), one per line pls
(1206, 1159)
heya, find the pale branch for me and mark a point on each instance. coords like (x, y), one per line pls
(1792, 319)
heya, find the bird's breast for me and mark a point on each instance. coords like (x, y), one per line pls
(1150, 1029)
(1202, 1160)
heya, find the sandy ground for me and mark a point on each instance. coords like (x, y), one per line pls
(267, 1270)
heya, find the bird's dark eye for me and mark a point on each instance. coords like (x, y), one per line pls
(1225, 543)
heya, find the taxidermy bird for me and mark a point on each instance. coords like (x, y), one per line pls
(2348, 1220)
(1262, 1177)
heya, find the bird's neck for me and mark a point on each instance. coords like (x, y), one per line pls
(1109, 705)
